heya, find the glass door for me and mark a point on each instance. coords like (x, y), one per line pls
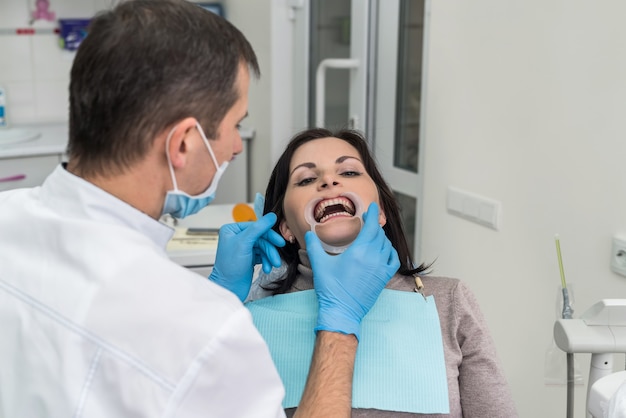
(330, 40)
(360, 64)
(331, 68)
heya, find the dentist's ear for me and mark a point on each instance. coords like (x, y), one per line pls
(178, 144)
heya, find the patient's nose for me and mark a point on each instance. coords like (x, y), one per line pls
(328, 180)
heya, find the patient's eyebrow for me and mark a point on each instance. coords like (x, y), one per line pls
(337, 161)
(307, 165)
(345, 157)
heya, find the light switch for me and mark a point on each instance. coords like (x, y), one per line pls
(475, 208)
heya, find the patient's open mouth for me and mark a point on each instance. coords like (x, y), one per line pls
(318, 211)
(339, 206)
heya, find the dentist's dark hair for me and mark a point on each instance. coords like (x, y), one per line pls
(277, 188)
(143, 66)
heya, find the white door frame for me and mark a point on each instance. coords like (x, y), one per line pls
(401, 180)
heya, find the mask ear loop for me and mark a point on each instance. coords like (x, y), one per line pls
(308, 215)
(206, 142)
(169, 160)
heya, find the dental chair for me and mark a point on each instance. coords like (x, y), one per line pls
(600, 331)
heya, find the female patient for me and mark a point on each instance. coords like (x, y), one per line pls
(336, 171)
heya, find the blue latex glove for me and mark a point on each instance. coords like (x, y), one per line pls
(348, 284)
(240, 247)
(259, 204)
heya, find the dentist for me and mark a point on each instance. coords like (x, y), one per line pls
(96, 320)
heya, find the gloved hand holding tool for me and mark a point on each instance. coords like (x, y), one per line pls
(240, 247)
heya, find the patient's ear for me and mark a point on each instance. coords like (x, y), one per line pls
(285, 231)
(382, 218)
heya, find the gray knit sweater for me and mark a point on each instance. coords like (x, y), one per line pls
(476, 384)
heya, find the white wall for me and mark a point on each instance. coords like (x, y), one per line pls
(33, 68)
(526, 106)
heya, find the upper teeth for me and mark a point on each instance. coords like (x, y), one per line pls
(321, 207)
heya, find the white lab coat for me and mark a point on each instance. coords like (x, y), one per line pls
(96, 321)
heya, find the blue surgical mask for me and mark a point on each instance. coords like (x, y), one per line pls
(180, 204)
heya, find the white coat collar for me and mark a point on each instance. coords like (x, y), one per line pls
(73, 196)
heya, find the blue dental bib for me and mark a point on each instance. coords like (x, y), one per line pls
(400, 363)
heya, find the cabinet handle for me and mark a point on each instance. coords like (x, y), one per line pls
(16, 177)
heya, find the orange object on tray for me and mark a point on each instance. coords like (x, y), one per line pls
(242, 212)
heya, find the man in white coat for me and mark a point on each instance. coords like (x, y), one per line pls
(96, 320)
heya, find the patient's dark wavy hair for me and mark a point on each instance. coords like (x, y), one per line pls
(277, 187)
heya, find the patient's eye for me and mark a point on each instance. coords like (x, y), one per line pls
(351, 173)
(305, 181)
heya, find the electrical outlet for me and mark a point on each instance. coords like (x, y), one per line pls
(618, 255)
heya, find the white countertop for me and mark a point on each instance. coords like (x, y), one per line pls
(51, 139)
